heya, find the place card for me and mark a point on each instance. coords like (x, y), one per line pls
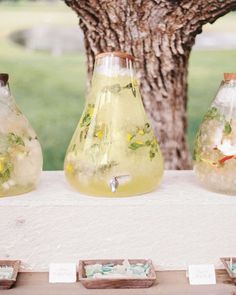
(62, 273)
(202, 274)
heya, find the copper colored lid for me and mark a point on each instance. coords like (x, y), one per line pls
(115, 53)
(4, 79)
(229, 76)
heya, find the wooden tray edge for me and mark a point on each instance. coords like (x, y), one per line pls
(8, 283)
(229, 271)
(91, 283)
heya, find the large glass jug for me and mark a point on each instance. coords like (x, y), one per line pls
(114, 151)
(20, 151)
(215, 146)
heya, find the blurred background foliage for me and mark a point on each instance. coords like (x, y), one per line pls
(49, 86)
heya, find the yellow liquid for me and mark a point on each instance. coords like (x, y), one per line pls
(17, 190)
(114, 139)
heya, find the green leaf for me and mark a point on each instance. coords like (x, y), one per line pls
(6, 174)
(151, 154)
(132, 87)
(106, 167)
(148, 142)
(227, 128)
(81, 136)
(133, 91)
(14, 139)
(214, 113)
(147, 128)
(86, 120)
(135, 145)
(128, 86)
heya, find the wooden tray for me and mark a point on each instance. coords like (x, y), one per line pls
(7, 284)
(225, 261)
(108, 283)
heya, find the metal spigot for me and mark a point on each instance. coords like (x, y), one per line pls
(117, 180)
(114, 183)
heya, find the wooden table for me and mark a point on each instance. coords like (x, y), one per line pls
(168, 283)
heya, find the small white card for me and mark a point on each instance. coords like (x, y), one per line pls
(202, 274)
(62, 273)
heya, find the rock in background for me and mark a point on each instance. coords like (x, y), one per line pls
(51, 38)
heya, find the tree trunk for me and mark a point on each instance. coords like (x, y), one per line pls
(160, 34)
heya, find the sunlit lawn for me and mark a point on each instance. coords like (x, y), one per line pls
(50, 90)
(205, 75)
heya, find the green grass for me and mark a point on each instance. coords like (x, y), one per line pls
(205, 75)
(50, 90)
(23, 15)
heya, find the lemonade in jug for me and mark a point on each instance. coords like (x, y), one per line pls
(114, 151)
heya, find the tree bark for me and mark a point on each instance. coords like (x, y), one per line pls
(160, 34)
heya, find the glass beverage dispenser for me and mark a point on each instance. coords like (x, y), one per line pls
(20, 152)
(215, 146)
(114, 151)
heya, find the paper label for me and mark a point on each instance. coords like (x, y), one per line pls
(202, 274)
(62, 273)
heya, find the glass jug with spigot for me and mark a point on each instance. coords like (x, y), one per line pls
(114, 151)
(20, 152)
(215, 146)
